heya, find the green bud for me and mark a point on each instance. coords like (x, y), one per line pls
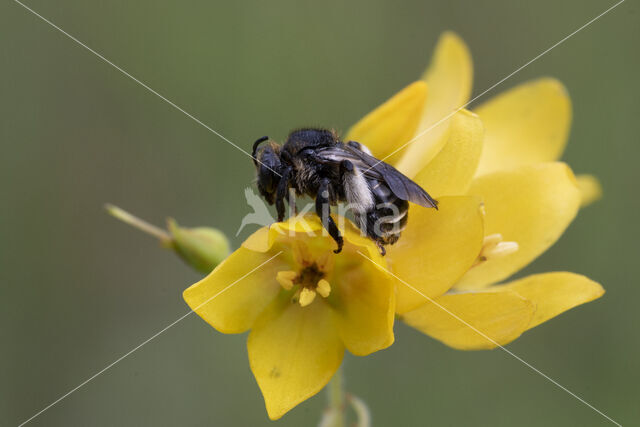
(202, 248)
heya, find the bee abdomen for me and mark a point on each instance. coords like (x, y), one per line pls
(387, 219)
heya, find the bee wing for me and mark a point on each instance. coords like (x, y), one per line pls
(372, 168)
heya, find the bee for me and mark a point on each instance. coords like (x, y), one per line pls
(316, 163)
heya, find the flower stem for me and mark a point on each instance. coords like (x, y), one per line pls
(138, 223)
(336, 398)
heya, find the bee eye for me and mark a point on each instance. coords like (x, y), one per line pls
(266, 177)
(268, 166)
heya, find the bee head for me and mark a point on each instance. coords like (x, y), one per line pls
(268, 166)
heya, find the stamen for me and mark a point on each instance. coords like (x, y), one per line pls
(307, 278)
(306, 297)
(323, 288)
(286, 278)
(494, 247)
(502, 249)
(492, 240)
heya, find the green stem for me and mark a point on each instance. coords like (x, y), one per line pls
(138, 223)
(337, 399)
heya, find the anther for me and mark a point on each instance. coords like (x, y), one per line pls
(286, 278)
(501, 249)
(492, 240)
(306, 297)
(323, 288)
(494, 247)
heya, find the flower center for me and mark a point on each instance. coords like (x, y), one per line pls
(494, 247)
(309, 282)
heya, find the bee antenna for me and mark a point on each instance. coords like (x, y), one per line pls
(255, 147)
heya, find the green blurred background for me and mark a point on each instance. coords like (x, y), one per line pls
(78, 289)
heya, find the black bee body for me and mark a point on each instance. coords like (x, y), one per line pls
(314, 162)
(390, 216)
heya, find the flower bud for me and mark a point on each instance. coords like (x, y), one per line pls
(202, 248)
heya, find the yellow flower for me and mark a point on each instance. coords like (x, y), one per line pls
(304, 304)
(503, 200)
(506, 154)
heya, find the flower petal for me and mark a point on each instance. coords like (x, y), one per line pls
(590, 189)
(451, 171)
(436, 249)
(263, 239)
(525, 125)
(392, 123)
(232, 296)
(531, 206)
(473, 321)
(309, 229)
(553, 293)
(293, 352)
(449, 77)
(363, 302)
(358, 244)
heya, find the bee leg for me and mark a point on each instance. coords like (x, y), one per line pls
(323, 210)
(291, 200)
(281, 193)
